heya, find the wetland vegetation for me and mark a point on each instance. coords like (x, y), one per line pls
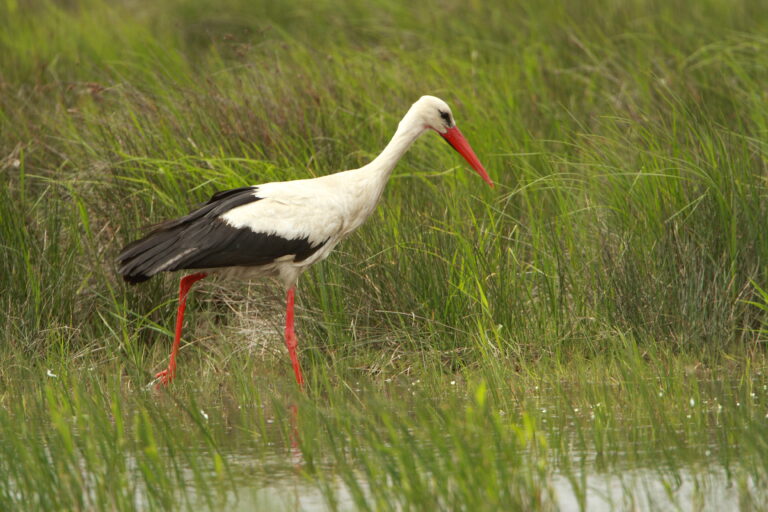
(589, 335)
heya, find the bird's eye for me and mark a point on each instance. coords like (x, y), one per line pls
(446, 117)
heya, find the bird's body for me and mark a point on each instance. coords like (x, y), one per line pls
(280, 229)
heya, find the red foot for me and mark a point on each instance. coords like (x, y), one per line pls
(164, 377)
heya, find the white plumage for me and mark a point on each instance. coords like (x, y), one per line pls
(279, 229)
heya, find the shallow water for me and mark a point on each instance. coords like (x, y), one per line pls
(649, 445)
(640, 489)
(642, 466)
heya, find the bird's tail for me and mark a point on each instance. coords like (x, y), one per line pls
(142, 259)
(180, 243)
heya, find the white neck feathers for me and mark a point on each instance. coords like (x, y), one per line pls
(409, 129)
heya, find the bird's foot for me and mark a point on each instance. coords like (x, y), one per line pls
(164, 377)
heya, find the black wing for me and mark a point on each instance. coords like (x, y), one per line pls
(202, 239)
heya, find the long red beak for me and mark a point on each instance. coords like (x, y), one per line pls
(456, 139)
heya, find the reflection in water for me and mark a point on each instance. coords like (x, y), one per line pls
(640, 489)
(647, 489)
(296, 455)
(590, 488)
(570, 450)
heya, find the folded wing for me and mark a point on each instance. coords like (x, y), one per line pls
(234, 228)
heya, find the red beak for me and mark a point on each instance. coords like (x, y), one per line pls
(460, 144)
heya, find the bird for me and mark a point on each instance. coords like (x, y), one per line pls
(280, 229)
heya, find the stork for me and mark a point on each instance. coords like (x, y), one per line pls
(279, 229)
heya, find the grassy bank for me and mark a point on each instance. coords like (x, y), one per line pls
(625, 244)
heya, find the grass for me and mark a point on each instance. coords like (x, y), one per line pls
(620, 261)
(86, 441)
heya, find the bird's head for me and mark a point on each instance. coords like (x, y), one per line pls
(435, 114)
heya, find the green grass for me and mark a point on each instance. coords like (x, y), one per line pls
(621, 259)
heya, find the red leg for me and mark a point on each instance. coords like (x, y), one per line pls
(290, 338)
(186, 283)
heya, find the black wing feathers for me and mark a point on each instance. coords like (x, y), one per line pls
(202, 240)
(236, 247)
(221, 202)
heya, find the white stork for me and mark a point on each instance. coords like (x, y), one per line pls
(279, 229)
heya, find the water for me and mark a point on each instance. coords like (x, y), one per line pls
(647, 489)
(635, 489)
(681, 443)
(639, 489)
(641, 466)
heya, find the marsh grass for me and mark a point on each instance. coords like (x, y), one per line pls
(89, 440)
(620, 261)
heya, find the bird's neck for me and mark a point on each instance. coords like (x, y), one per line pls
(381, 167)
(369, 181)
